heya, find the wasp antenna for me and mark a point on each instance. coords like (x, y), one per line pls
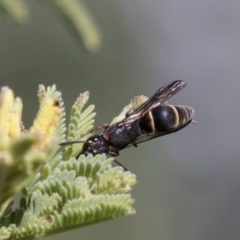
(70, 142)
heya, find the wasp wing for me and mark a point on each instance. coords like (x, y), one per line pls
(161, 96)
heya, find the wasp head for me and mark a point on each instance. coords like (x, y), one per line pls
(95, 145)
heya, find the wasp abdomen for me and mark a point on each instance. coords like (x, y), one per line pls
(166, 118)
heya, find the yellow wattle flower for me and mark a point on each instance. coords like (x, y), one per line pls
(44, 125)
(15, 119)
(10, 114)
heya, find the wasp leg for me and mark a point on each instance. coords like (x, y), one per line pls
(114, 154)
(120, 164)
(105, 125)
(80, 154)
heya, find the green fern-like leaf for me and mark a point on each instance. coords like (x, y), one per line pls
(83, 212)
(81, 122)
(87, 166)
(123, 181)
(43, 203)
(5, 233)
(67, 192)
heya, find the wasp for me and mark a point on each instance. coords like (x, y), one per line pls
(152, 119)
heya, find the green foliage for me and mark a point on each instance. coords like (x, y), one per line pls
(81, 122)
(66, 193)
(74, 14)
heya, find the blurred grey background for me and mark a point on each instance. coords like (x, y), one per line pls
(189, 182)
